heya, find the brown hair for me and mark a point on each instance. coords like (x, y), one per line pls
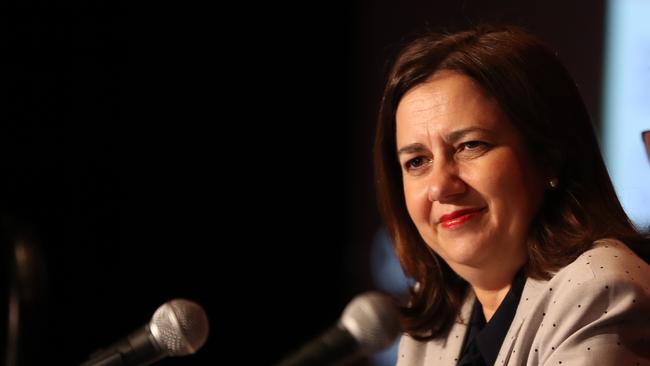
(538, 95)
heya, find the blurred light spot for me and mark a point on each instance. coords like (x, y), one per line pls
(387, 276)
(626, 104)
(387, 273)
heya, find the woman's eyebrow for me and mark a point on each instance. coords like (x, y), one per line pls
(457, 135)
(451, 138)
(411, 149)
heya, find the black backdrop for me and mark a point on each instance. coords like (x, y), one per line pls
(151, 154)
(221, 155)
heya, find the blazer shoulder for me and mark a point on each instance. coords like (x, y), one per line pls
(593, 311)
(609, 260)
(609, 278)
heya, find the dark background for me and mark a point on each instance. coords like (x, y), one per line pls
(221, 155)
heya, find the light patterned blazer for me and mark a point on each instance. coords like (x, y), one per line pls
(595, 311)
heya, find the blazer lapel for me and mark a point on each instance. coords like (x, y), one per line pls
(532, 291)
(454, 342)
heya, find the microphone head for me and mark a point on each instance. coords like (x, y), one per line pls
(373, 320)
(180, 327)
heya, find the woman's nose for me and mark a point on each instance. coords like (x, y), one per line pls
(445, 183)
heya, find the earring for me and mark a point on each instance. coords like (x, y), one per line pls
(553, 183)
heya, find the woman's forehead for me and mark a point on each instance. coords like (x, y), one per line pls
(446, 102)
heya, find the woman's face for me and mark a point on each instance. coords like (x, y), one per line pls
(470, 186)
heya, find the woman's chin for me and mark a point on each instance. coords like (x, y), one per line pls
(465, 255)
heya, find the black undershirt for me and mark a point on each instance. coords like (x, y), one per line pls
(483, 340)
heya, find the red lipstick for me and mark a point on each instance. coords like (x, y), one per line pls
(458, 218)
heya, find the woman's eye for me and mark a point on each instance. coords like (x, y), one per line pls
(472, 145)
(473, 149)
(416, 163)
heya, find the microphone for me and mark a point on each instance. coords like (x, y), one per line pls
(370, 323)
(179, 327)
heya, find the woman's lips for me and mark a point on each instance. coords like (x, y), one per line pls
(458, 218)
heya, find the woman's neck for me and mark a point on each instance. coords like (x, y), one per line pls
(490, 286)
(491, 298)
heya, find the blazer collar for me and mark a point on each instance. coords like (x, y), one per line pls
(454, 342)
(533, 289)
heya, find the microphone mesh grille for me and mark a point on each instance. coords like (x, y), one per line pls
(180, 327)
(373, 320)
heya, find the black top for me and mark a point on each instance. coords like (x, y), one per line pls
(483, 340)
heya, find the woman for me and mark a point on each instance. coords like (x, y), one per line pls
(496, 196)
